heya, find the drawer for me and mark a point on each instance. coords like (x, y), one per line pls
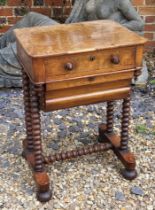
(77, 65)
(85, 99)
(90, 80)
(87, 89)
(70, 97)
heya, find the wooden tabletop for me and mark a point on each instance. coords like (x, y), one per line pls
(75, 38)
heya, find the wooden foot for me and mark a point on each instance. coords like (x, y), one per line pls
(129, 174)
(44, 194)
(126, 157)
(129, 162)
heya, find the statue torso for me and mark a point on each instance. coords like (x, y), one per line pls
(104, 9)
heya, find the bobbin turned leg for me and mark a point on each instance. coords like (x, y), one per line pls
(28, 142)
(120, 144)
(128, 159)
(40, 175)
(110, 121)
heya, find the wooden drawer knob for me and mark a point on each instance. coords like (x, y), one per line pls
(92, 58)
(115, 59)
(68, 66)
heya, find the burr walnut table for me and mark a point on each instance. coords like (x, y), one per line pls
(71, 65)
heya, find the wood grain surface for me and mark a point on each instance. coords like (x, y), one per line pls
(74, 38)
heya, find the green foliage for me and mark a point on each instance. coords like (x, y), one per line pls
(2, 2)
(152, 82)
(142, 129)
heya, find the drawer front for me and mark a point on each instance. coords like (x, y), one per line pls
(90, 80)
(87, 89)
(73, 66)
(70, 97)
(89, 98)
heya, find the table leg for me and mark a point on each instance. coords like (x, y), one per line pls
(119, 144)
(40, 175)
(110, 116)
(110, 121)
(125, 124)
(28, 142)
(128, 159)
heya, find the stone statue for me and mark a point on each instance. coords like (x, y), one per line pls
(120, 11)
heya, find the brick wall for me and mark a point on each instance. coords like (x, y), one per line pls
(146, 9)
(13, 10)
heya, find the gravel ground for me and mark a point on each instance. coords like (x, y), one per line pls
(92, 182)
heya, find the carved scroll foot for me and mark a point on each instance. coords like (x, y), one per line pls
(44, 193)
